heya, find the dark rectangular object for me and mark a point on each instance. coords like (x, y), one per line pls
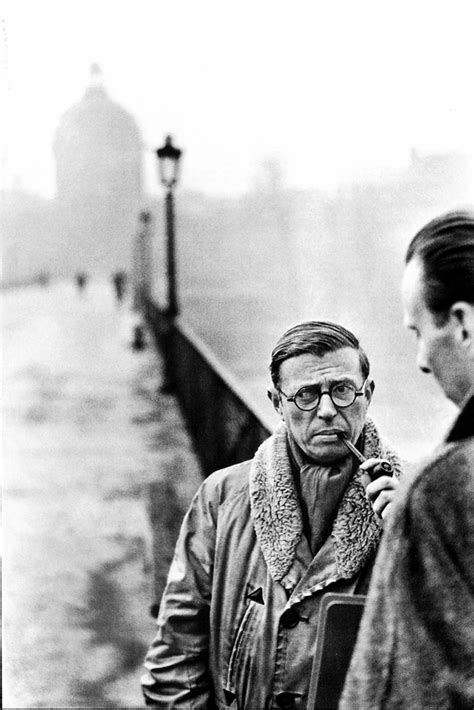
(339, 620)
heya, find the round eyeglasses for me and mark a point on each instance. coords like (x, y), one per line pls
(342, 395)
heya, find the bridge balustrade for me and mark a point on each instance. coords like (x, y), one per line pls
(225, 426)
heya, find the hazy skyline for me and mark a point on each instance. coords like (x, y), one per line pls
(333, 90)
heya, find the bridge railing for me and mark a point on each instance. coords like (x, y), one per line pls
(226, 428)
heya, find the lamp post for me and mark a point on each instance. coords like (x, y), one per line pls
(168, 161)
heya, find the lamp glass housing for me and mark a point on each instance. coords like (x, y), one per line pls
(168, 160)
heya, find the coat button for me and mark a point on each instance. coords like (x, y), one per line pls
(285, 700)
(290, 618)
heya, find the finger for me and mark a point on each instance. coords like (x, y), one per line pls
(380, 484)
(382, 501)
(386, 511)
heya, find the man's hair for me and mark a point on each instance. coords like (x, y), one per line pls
(445, 247)
(317, 338)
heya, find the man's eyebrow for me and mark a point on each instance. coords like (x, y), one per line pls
(334, 381)
(347, 378)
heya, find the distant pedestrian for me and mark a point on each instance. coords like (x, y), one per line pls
(139, 339)
(81, 280)
(43, 278)
(415, 648)
(119, 280)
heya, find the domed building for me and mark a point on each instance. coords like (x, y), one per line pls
(98, 155)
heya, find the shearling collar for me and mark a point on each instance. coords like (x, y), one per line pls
(277, 516)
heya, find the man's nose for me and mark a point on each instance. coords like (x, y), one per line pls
(422, 362)
(326, 408)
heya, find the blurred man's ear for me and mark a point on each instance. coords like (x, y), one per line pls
(462, 314)
(274, 398)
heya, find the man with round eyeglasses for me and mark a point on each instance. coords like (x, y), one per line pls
(264, 540)
(329, 376)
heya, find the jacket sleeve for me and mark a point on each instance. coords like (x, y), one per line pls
(177, 670)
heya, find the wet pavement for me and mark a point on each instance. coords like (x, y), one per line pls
(97, 473)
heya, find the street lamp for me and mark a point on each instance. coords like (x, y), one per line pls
(168, 161)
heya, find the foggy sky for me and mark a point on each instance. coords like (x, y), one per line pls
(334, 90)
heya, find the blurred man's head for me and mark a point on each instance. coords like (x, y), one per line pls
(321, 387)
(438, 300)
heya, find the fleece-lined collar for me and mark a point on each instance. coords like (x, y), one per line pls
(277, 516)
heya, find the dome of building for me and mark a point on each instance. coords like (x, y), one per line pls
(96, 121)
(97, 146)
(98, 154)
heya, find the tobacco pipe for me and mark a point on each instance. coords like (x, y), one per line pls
(384, 468)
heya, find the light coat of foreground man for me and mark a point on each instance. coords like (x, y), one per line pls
(264, 540)
(415, 649)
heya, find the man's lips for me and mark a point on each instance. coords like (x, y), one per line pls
(329, 432)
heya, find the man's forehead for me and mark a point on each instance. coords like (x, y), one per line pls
(413, 284)
(340, 362)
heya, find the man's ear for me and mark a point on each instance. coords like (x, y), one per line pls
(462, 315)
(369, 390)
(274, 398)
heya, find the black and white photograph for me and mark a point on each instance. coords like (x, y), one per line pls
(237, 327)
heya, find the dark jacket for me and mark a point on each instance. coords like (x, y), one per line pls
(415, 648)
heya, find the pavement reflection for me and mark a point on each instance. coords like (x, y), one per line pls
(93, 452)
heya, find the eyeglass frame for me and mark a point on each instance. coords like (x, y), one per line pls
(292, 398)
